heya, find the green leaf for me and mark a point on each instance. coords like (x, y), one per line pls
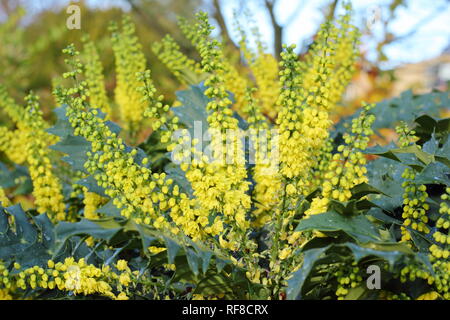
(385, 174)
(193, 107)
(91, 184)
(356, 293)
(105, 229)
(411, 155)
(75, 147)
(109, 209)
(62, 127)
(339, 252)
(172, 249)
(358, 227)
(18, 177)
(427, 126)
(364, 189)
(378, 214)
(28, 241)
(434, 173)
(391, 252)
(193, 260)
(297, 280)
(407, 107)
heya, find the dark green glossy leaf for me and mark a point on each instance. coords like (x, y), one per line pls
(358, 227)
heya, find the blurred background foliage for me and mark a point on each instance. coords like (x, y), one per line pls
(33, 33)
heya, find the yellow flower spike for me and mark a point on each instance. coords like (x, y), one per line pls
(221, 191)
(168, 51)
(13, 143)
(130, 60)
(95, 78)
(414, 212)
(344, 171)
(34, 141)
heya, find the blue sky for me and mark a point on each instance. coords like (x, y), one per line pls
(429, 41)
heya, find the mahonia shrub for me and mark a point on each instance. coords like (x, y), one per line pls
(243, 188)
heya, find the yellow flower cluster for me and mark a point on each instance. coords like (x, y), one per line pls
(265, 70)
(231, 78)
(323, 162)
(267, 187)
(406, 135)
(415, 195)
(34, 142)
(183, 68)
(414, 213)
(12, 143)
(91, 202)
(95, 79)
(439, 279)
(346, 54)
(4, 295)
(346, 168)
(235, 83)
(432, 295)
(139, 193)
(303, 119)
(414, 206)
(443, 223)
(348, 277)
(155, 109)
(47, 188)
(129, 61)
(14, 111)
(440, 252)
(4, 201)
(74, 276)
(219, 183)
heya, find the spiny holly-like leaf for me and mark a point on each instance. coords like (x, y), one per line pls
(172, 249)
(412, 156)
(434, 173)
(28, 240)
(427, 126)
(75, 148)
(364, 189)
(297, 280)
(193, 108)
(92, 185)
(109, 209)
(358, 227)
(113, 230)
(392, 253)
(407, 107)
(386, 174)
(105, 229)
